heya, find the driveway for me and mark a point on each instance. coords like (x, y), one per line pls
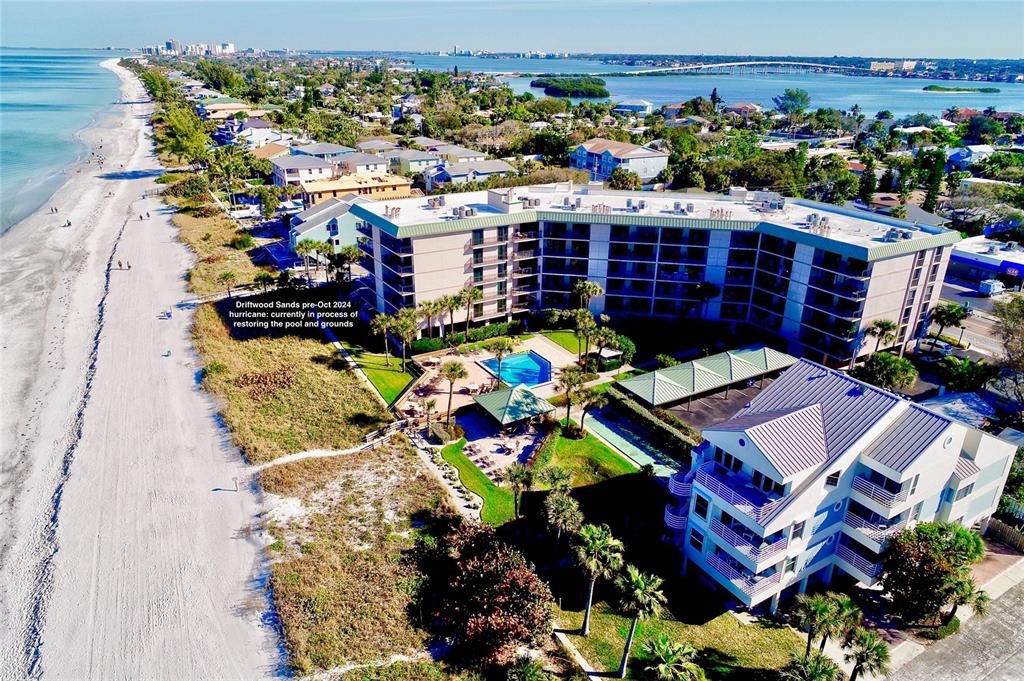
(986, 648)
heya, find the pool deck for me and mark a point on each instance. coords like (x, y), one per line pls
(432, 385)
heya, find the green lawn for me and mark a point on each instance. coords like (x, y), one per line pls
(389, 381)
(498, 505)
(590, 460)
(566, 338)
(727, 648)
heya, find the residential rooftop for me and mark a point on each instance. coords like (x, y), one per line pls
(865, 235)
(323, 148)
(296, 161)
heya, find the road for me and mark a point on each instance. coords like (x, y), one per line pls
(965, 295)
(987, 648)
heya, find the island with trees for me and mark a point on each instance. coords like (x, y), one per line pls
(959, 88)
(571, 86)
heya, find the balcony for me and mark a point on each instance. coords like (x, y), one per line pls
(488, 279)
(525, 236)
(877, 494)
(877, 532)
(749, 584)
(397, 268)
(736, 491)
(525, 255)
(857, 561)
(748, 545)
(483, 262)
(681, 484)
(364, 228)
(484, 243)
(675, 518)
(524, 272)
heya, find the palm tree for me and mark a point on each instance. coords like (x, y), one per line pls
(587, 291)
(570, 380)
(845, 617)
(884, 330)
(641, 598)
(592, 399)
(227, 278)
(381, 325)
(949, 314)
(813, 667)
(469, 296)
(452, 371)
(557, 478)
(500, 347)
(451, 303)
(264, 279)
(305, 248)
(671, 661)
(812, 613)
(563, 513)
(320, 248)
(965, 592)
(429, 405)
(600, 556)
(348, 256)
(406, 328)
(519, 478)
(867, 652)
(426, 311)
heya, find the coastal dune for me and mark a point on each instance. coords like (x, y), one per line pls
(125, 549)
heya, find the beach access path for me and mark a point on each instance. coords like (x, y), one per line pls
(125, 514)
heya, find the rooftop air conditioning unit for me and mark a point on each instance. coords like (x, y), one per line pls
(677, 206)
(440, 200)
(813, 218)
(455, 212)
(579, 202)
(906, 234)
(689, 207)
(566, 201)
(629, 203)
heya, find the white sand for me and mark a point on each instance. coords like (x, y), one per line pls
(146, 569)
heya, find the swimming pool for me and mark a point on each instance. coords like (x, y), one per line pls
(527, 368)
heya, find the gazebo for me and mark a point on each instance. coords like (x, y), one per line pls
(512, 405)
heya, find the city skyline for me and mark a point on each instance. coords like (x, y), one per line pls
(877, 28)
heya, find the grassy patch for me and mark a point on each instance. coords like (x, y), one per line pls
(567, 339)
(390, 381)
(344, 585)
(404, 671)
(210, 239)
(498, 505)
(727, 648)
(283, 395)
(590, 460)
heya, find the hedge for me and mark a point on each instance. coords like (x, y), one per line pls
(674, 441)
(476, 334)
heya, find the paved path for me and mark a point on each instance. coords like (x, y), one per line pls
(986, 649)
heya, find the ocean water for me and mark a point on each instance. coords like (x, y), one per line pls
(902, 96)
(46, 97)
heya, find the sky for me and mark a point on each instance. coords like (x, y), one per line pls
(898, 28)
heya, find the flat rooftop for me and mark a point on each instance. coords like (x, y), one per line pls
(869, 233)
(984, 250)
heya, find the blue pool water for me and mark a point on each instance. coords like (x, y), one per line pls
(527, 368)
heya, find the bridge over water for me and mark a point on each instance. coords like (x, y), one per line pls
(752, 67)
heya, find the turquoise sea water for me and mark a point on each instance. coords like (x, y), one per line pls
(46, 96)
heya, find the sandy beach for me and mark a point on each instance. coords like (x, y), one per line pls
(124, 543)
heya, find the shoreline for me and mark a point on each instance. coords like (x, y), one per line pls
(60, 175)
(120, 556)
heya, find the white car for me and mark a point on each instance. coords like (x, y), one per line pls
(936, 346)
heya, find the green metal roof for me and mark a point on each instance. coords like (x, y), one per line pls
(704, 375)
(513, 404)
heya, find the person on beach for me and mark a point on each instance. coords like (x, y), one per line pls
(147, 214)
(129, 264)
(119, 265)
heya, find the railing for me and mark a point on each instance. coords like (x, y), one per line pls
(863, 564)
(877, 532)
(755, 551)
(681, 484)
(484, 243)
(526, 236)
(524, 272)
(756, 510)
(877, 494)
(489, 261)
(748, 584)
(525, 255)
(675, 518)
(489, 279)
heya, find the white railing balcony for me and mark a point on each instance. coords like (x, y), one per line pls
(675, 517)
(878, 494)
(750, 502)
(862, 564)
(755, 550)
(747, 583)
(876, 531)
(681, 484)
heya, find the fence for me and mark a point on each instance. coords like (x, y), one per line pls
(1008, 535)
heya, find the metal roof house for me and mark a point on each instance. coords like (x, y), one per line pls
(814, 476)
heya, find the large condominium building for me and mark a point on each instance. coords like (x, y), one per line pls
(812, 274)
(815, 475)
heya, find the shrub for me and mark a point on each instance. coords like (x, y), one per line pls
(447, 433)
(241, 242)
(941, 632)
(207, 210)
(189, 188)
(421, 345)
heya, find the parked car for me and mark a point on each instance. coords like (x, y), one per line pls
(936, 346)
